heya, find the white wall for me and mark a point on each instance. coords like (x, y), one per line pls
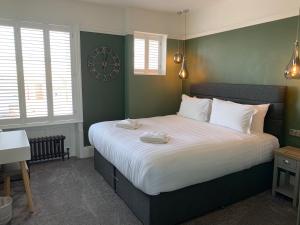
(84, 15)
(91, 16)
(154, 22)
(70, 131)
(227, 15)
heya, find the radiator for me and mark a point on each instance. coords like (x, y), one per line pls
(48, 148)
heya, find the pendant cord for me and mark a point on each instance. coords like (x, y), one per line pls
(297, 35)
(184, 33)
(286, 80)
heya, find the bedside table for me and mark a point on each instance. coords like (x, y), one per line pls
(287, 164)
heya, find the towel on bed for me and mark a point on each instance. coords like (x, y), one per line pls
(128, 124)
(155, 137)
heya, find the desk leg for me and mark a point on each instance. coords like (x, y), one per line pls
(26, 184)
(7, 186)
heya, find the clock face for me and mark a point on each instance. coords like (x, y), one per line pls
(104, 64)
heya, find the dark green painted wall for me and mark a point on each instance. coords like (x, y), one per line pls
(129, 95)
(101, 100)
(151, 95)
(251, 55)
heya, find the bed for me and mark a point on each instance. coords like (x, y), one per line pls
(203, 167)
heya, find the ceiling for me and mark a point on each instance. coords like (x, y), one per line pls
(160, 5)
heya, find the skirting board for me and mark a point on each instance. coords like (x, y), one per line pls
(88, 152)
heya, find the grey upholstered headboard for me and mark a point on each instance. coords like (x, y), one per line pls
(249, 94)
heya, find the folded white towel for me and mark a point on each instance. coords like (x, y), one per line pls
(128, 124)
(155, 137)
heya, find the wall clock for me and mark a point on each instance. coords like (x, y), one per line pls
(104, 64)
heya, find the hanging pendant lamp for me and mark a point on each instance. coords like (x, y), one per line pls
(292, 70)
(183, 73)
(178, 57)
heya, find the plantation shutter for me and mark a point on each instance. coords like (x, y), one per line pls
(33, 55)
(9, 96)
(139, 54)
(36, 74)
(60, 54)
(154, 53)
(149, 53)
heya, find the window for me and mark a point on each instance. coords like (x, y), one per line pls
(36, 83)
(61, 73)
(9, 95)
(149, 53)
(34, 72)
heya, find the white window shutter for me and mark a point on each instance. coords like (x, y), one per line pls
(139, 53)
(9, 97)
(153, 57)
(36, 74)
(149, 53)
(33, 55)
(60, 54)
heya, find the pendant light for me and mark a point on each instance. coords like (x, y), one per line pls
(292, 70)
(183, 73)
(178, 57)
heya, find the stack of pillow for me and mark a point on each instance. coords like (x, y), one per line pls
(247, 119)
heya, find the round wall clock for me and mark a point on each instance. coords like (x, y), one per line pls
(104, 64)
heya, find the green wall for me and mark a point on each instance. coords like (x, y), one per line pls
(252, 55)
(151, 95)
(130, 95)
(101, 100)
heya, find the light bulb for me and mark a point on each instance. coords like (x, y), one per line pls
(178, 58)
(183, 73)
(292, 70)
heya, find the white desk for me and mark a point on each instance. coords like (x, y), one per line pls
(14, 147)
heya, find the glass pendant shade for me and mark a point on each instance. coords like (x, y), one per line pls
(183, 73)
(178, 58)
(292, 70)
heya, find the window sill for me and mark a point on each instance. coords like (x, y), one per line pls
(149, 74)
(39, 124)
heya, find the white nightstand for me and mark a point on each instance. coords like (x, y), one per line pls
(287, 164)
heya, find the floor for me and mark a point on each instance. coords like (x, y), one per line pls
(73, 193)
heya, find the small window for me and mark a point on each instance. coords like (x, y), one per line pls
(149, 53)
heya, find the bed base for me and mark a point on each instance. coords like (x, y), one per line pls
(190, 202)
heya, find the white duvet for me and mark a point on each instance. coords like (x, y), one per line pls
(197, 152)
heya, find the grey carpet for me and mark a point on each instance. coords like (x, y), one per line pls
(73, 193)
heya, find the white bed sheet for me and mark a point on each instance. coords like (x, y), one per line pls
(197, 152)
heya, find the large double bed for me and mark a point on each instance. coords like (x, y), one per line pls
(201, 168)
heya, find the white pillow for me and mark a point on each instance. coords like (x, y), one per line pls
(232, 115)
(258, 119)
(195, 108)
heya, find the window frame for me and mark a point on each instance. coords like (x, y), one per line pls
(162, 39)
(23, 121)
